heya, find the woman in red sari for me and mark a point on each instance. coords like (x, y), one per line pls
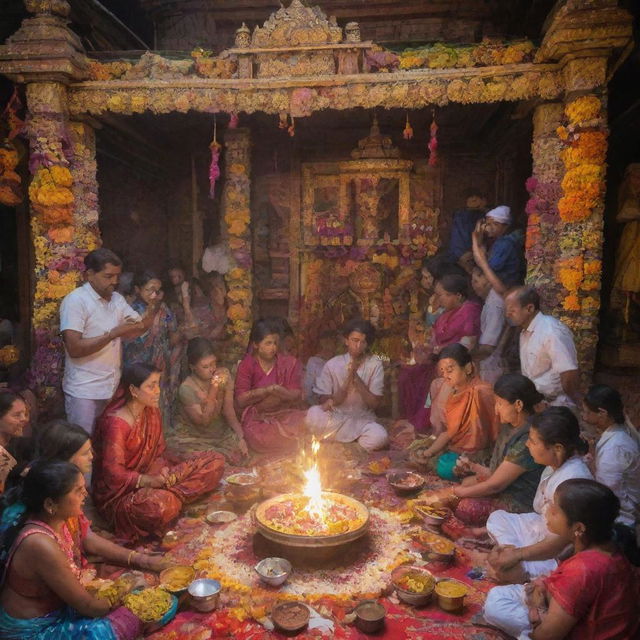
(134, 487)
(460, 322)
(268, 393)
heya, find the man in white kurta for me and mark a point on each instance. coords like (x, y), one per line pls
(548, 354)
(350, 386)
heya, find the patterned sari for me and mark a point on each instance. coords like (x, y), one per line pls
(123, 453)
(271, 425)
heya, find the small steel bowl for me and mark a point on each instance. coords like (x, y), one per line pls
(370, 616)
(290, 617)
(451, 603)
(273, 571)
(220, 517)
(167, 574)
(411, 597)
(405, 482)
(204, 594)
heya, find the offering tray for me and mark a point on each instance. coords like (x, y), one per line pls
(359, 523)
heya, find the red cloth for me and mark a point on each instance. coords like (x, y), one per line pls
(601, 591)
(123, 453)
(454, 325)
(271, 425)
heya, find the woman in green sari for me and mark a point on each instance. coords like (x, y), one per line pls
(205, 413)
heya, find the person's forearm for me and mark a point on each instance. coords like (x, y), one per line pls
(290, 395)
(82, 347)
(439, 445)
(487, 488)
(341, 394)
(99, 546)
(371, 400)
(252, 397)
(546, 549)
(570, 381)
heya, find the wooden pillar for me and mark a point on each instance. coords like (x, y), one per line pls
(236, 213)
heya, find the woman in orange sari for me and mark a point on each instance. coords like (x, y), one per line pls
(469, 415)
(134, 487)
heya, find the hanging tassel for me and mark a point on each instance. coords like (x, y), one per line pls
(292, 127)
(407, 134)
(214, 167)
(233, 122)
(433, 142)
(284, 120)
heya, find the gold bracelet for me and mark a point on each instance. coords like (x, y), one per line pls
(131, 554)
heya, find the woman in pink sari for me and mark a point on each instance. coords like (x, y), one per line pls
(268, 393)
(460, 322)
(134, 487)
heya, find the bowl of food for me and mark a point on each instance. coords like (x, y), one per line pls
(414, 585)
(290, 617)
(438, 551)
(405, 482)
(451, 594)
(177, 579)
(155, 606)
(273, 571)
(220, 517)
(370, 616)
(204, 594)
(378, 467)
(432, 515)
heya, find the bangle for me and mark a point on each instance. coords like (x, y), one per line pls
(131, 554)
(139, 481)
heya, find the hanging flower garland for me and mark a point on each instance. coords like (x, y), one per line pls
(433, 141)
(214, 166)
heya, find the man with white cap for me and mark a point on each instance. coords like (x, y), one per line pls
(504, 265)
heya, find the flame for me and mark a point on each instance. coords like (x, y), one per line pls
(313, 486)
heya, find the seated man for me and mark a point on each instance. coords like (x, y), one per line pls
(350, 388)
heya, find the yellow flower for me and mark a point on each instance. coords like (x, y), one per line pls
(583, 109)
(593, 267)
(61, 176)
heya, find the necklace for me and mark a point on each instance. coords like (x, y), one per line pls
(133, 415)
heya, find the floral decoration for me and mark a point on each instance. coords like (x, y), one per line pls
(10, 181)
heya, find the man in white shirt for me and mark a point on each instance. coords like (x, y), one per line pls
(488, 353)
(93, 319)
(547, 352)
(350, 388)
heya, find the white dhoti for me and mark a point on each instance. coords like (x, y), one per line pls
(506, 608)
(521, 530)
(346, 427)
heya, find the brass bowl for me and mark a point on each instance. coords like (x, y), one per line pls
(312, 541)
(169, 578)
(449, 602)
(370, 616)
(290, 617)
(405, 482)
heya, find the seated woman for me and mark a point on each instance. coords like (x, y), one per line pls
(268, 392)
(14, 417)
(526, 548)
(134, 487)
(60, 440)
(205, 404)
(617, 451)
(512, 477)
(469, 415)
(161, 345)
(350, 388)
(42, 597)
(459, 323)
(593, 594)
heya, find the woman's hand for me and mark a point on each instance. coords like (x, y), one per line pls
(327, 405)
(505, 557)
(242, 446)
(153, 562)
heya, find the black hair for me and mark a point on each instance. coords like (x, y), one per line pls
(470, 192)
(593, 504)
(136, 373)
(514, 386)
(282, 324)
(457, 352)
(440, 265)
(361, 326)
(558, 425)
(602, 396)
(59, 440)
(198, 348)
(142, 277)
(455, 283)
(7, 398)
(525, 296)
(98, 259)
(52, 479)
(262, 328)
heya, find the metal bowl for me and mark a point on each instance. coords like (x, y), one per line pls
(273, 571)
(220, 517)
(433, 516)
(405, 482)
(204, 594)
(451, 603)
(290, 616)
(412, 597)
(169, 575)
(370, 616)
